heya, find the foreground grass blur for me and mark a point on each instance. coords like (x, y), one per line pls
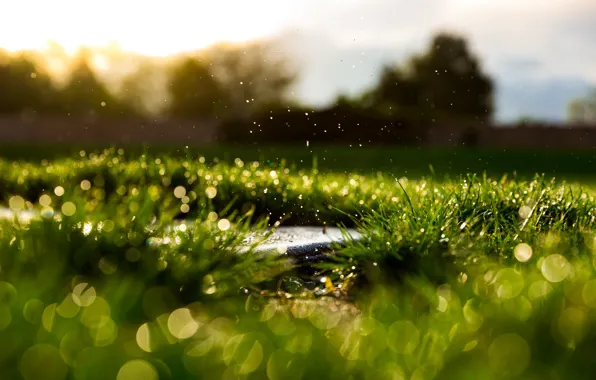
(475, 278)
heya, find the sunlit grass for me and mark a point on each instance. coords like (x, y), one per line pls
(139, 269)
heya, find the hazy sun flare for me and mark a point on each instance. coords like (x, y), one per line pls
(152, 27)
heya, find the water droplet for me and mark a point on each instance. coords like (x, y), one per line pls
(523, 252)
(555, 268)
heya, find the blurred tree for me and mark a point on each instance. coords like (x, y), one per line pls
(24, 86)
(229, 82)
(143, 90)
(85, 94)
(57, 61)
(397, 94)
(193, 90)
(363, 101)
(444, 84)
(255, 77)
(583, 110)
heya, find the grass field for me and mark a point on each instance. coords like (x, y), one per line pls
(469, 277)
(411, 162)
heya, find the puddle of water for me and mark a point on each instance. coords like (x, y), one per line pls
(295, 241)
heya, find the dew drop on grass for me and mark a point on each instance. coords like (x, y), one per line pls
(33, 310)
(539, 289)
(43, 361)
(104, 334)
(48, 317)
(107, 266)
(442, 305)
(83, 294)
(137, 370)
(143, 337)
(68, 308)
(509, 355)
(133, 254)
(198, 348)
(47, 212)
(223, 224)
(403, 337)
(211, 192)
(45, 200)
(525, 212)
(181, 324)
(69, 209)
(179, 192)
(473, 318)
(16, 203)
(555, 268)
(523, 252)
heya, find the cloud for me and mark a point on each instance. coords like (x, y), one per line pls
(327, 69)
(530, 47)
(373, 22)
(559, 34)
(544, 99)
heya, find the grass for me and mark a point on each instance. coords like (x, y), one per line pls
(473, 277)
(411, 162)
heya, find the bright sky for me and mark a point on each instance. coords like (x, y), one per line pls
(150, 27)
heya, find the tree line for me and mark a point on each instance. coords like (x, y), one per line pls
(249, 89)
(222, 80)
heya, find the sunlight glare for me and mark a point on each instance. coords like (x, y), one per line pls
(156, 28)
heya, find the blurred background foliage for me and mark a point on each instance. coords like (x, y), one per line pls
(244, 87)
(223, 79)
(247, 90)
